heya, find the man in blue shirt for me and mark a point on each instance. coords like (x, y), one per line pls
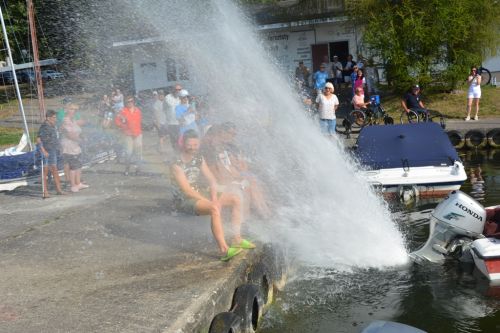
(320, 78)
(412, 101)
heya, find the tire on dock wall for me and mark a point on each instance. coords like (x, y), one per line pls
(226, 322)
(274, 259)
(493, 138)
(456, 139)
(475, 139)
(248, 304)
(261, 276)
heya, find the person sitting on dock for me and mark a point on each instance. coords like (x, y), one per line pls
(193, 197)
(412, 101)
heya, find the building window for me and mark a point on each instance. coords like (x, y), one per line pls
(334, 5)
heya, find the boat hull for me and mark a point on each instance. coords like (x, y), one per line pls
(426, 181)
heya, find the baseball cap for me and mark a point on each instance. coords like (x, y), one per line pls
(183, 93)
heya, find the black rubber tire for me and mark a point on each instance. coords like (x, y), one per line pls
(247, 304)
(274, 259)
(357, 119)
(456, 139)
(475, 139)
(409, 118)
(261, 276)
(493, 138)
(226, 322)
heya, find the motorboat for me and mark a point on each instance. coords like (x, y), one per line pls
(462, 228)
(409, 160)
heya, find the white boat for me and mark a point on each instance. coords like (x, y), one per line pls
(461, 228)
(410, 160)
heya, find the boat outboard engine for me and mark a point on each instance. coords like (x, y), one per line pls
(455, 223)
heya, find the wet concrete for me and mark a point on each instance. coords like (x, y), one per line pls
(111, 258)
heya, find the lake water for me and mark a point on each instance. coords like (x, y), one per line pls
(436, 298)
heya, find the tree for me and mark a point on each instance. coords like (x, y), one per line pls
(434, 41)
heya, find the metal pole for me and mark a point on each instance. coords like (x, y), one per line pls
(36, 59)
(16, 84)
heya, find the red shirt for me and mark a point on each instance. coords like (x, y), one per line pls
(132, 124)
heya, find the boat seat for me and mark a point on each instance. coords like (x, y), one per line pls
(492, 225)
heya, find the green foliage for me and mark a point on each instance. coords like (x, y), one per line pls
(428, 42)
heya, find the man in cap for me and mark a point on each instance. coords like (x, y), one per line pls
(171, 101)
(320, 78)
(412, 101)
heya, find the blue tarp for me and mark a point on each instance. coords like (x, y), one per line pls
(12, 167)
(412, 145)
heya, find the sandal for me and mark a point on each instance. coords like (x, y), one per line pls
(231, 252)
(244, 244)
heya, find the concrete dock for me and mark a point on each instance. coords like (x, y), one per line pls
(111, 258)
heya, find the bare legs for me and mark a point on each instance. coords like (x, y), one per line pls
(471, 101)
(57, 180)
(205, 207)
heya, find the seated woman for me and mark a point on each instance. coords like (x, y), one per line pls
(358, 100)
(192, 196)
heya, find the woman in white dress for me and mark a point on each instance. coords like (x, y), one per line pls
(474, 92)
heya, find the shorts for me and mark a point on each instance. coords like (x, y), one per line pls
(474, 93)
(52, 158)
(328, 126)
(187, 206)
(73, 161)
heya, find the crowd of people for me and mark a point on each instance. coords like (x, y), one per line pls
(208, 170)
(320, 100)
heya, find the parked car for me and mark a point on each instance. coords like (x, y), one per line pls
(27, 76)
(50, 74)
(6, 78)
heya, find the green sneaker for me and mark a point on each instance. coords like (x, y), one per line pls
(231, 252)
(244, 244)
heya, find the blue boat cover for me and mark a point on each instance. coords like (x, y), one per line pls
(407, 145)
(17, 166)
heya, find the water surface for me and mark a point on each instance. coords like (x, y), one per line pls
(436, 298)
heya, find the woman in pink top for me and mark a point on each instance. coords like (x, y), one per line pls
(358, 100)
(71, 148)
(360, 81)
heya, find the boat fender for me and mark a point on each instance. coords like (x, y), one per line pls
(475, 139)
(456, 139)
(226, 322)
(247, 304)
(260, 275)
(493, 138)
(274, 259)
(408, 193)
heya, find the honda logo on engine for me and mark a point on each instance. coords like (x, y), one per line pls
(469, 211)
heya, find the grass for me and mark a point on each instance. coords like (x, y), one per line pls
(452, 105)
(11, 136)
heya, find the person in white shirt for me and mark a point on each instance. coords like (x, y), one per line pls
(171, 101)
(160, 119)
(328, 104)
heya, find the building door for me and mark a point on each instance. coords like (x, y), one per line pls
(319, 51)
(340, 49)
